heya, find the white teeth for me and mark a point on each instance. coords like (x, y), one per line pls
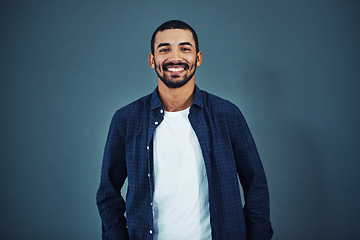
(175, 69)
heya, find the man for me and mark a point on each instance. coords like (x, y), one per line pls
(182, 150)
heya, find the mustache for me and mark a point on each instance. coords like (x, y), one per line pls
(185, 65)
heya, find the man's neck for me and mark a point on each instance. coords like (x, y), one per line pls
(176, 99)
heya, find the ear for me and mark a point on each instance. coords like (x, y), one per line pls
(199, 59)
(151, 61)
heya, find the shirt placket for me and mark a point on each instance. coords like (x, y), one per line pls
(156, 117)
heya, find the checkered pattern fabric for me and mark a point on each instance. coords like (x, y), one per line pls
(229, 152)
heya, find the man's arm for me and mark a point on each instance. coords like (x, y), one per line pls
(110, 203)
(253, 181)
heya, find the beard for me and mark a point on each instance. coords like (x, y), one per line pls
(175, 81)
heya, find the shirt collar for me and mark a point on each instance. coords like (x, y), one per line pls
(156, 103)
(155, 100)
(199, 99)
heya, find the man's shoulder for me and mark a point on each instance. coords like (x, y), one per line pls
(218, 104)
(223, 110)
(135, 108)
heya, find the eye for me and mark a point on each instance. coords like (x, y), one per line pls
(185, 49)
(164, 50)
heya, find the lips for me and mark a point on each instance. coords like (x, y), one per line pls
(175, 68)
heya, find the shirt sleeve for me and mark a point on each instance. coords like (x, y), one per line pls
(110, 203)
(253, 181)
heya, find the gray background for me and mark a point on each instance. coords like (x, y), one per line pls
(291, 66)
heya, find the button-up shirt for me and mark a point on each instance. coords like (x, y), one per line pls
(229, 153)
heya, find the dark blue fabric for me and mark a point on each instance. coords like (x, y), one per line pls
(229, 151)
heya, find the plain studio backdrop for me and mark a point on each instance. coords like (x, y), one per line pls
(292, 67)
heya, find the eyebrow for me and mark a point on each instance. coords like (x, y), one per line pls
(168, 44)
(163, 45)
(185, 43)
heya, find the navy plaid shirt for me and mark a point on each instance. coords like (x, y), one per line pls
(229, 152)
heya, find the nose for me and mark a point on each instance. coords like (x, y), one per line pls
(175, 55)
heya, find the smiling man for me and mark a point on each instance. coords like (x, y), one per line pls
(183, 151)
(176, 59)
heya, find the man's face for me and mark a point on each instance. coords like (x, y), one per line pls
(175, 58)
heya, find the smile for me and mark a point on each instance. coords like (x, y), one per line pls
(175, 69)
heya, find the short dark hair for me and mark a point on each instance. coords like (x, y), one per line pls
(174, 24)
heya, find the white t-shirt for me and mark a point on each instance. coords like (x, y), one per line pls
(181, 196)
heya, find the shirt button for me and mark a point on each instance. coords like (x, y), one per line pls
(147, 147)
(148, 174)
(156, 123)
(151, 204)
(161, 111)
(150, 231)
